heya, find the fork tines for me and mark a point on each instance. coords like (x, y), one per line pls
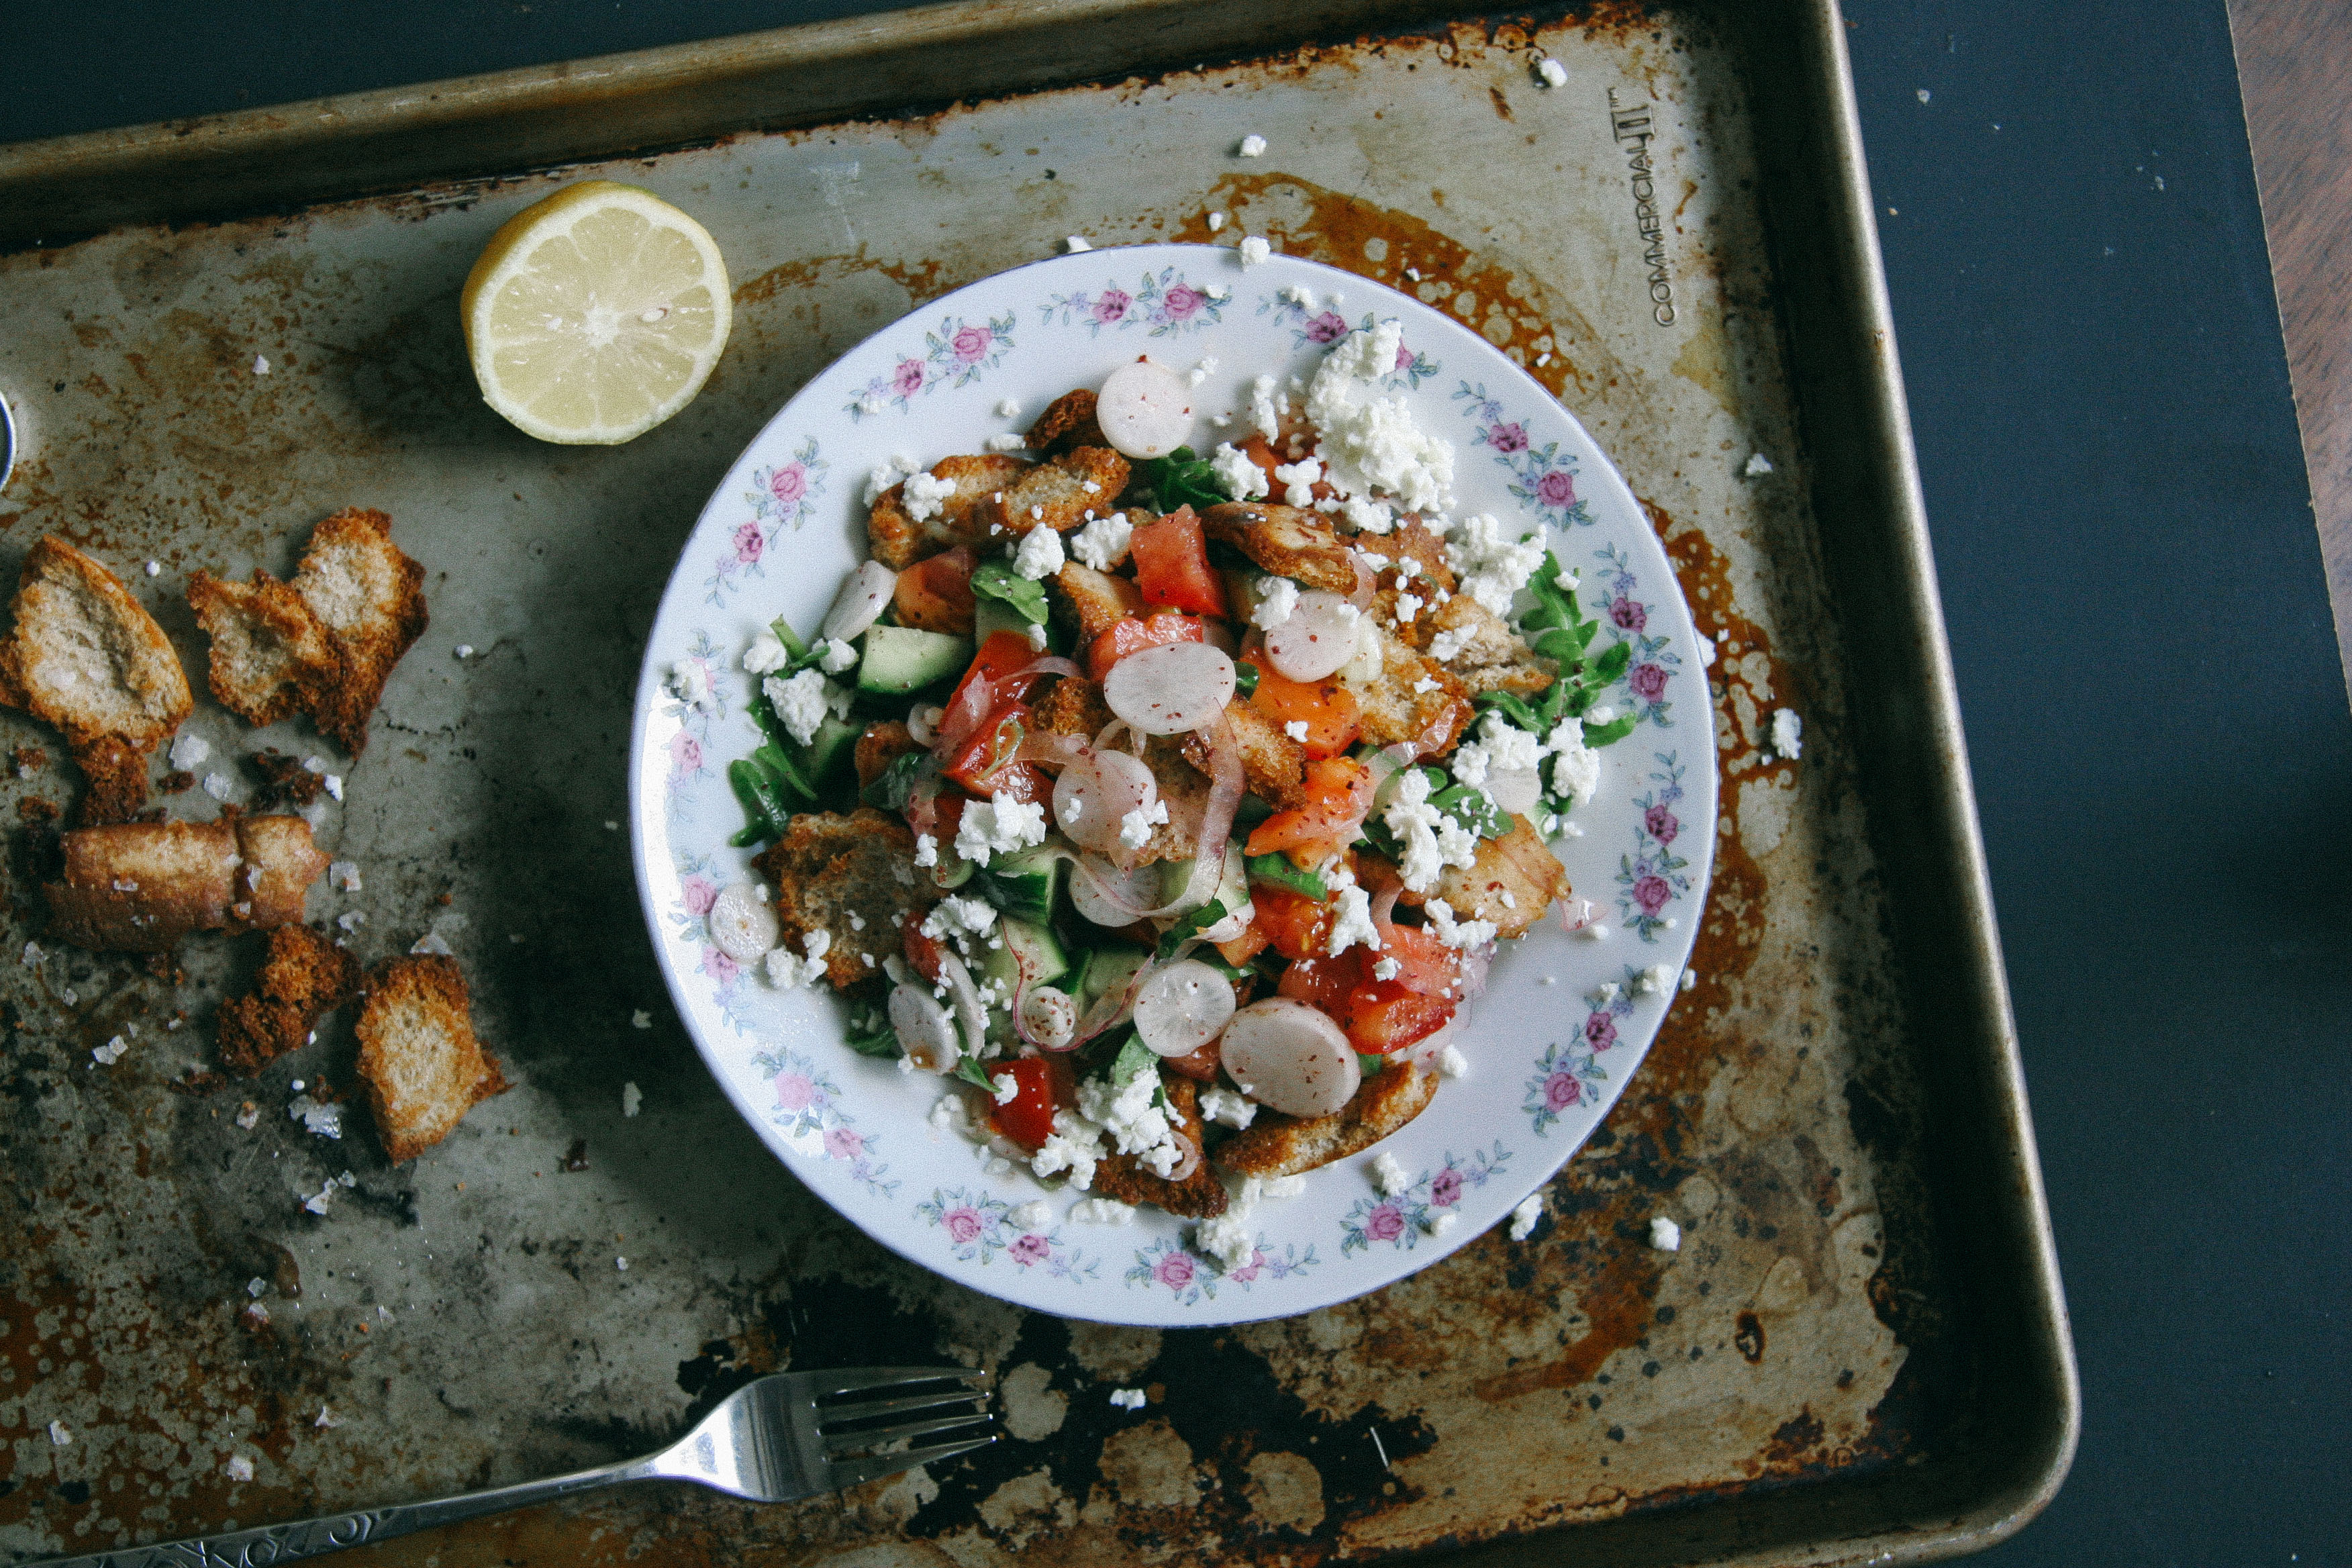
(956, 1398)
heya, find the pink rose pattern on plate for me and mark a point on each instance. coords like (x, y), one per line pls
(1653, 877)
(1163, 304)
(808, 1108)
(1403, 1219)
(1322, 326)
(959, 353)
(1191, 1278)
(1652, 660)
(1543, 478)
(979, 1228)
(781, 496)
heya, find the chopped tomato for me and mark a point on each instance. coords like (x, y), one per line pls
(1002, 656)
(935, 595)
(1201, 1064)
(1293, 924)
(1426, 967)
(1246, 946)
(987, 763)
(1171, 565)
(1134, 637)
(1027, 1119)
(1378, 1015)
(1338, 795)
(923, 951)
(1327, 708)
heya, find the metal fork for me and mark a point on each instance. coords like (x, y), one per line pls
(789, 1435)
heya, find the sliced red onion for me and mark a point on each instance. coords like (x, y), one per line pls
(964, 715)
(1291, 1057)
(1172, 690)
(1367, 583)
(1052, 750)
(1051, 664)
(742, 922)
(1094, 796)
(925, 1031)
(1516, 790)
(1183, 1007)
(861, 601)
(1145, 409)
(923, 723)
(1319, 637)
(1183, 1170)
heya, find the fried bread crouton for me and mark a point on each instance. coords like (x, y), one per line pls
(1075, 707)
(323, 644)
(882, 744)
(87, 657)
(900, 539)
(1481, 649)
(304, 977)
(1095, 601)
(1286, 541)
(1274, 764)
(847, 877)
(423, 1068)
(1411, 699)
(1512, 881)
(1069, 422)
(1058, 494)
(140, 887)
(1200, 1196)
(1277, 1145)
(1184, 790)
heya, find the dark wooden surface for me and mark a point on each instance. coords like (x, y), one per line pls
(2295, 60)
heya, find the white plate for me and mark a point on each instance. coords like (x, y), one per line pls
(785, 529)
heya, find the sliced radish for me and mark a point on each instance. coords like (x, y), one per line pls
(1514, 789)
(861, 601)
(1145, 409)
(925, 1031)
(1050, 1016)
(742, 922)
(1096, 792)
(1181, 1007)
(1320, 635)
(1110, 897)
(969, 1010)
(1290, 1057)
(1172, 690)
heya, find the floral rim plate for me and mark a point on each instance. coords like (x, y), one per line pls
(1546, 1061)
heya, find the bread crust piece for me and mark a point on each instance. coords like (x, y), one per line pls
(1200, 1196)
(140, 887)
(304, 977)
(87, 657)
(1286, 541)
(1273, 1144)
(898, 541)
(1274, 764)
(829, 870)
(1095, 601)
(1069, 422)
(882, 744)
(423, 1068)
(1054, 494)
(1393, 709)
(1512, 881)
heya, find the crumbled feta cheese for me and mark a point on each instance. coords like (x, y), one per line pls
(1281, 1186)
(154, 568)
(33, 953)
(1254, 249)
(1202, 371)
(925, 497)
(464, 650)
(959, 920)
(1133, 1123)
(1034, 1214)
(1276, 598)
(1705, 648)
(345, 875)
(1491, 567)
(1129, 1399)
(239, 1468)
(1000, 827)
(1296, 729)
(803, 703)
(1352, 925)
(1453, 1063)
(1788, 734)
(1575, 766)
(784, 972)
(1101, 542)
(1263, 411)
(1008, 1089)
(1006, 408)
(248, 1116)
(1253, 146)
(1229, 1239)
(321, 1119)
(1365, 513)
(766, 655)
(641, 1019)
(1665, 1235)
(838, 657)
(1438, 1223)
(1387, 968)
(261, 364)
(1390, 1177)
(218, 785)
(326, 1418)
(1594, 932)
(1075, 244)
(188, 750)
(111, 1052)
(689, 682)
(1297, 480)
(927, 849)
(1689, 979)
(1074, 1145)
(1524, 1217)
(1101, 1211)
(1040, 554)
(335, 783)
(1551, 71)
(632, 1097)
(1221, 1104)
(1431, 839)
(889, 473)
(1456, 933)
(1655, 980)
(1234, 469)
(1370, 442)
(1135, 827)
(1407, 607)
(1005, 441)
(1499, 746)
(1757, 466)
(1217, 222)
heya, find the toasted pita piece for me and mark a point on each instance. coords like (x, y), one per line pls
(847, 877)
(1056, 495)
(1069, 422)
(1286, 540)
(1396, 706)
(139, 887)
(1184, 790)
(899, 539)
(87, 657)
(1200, 1196)
(1095, 601)
(304, 977)
(1278, 1145)
(270, 653)
(1075, 707)
(1274, 765)
(1512, 881)
(882, 744)
(418, 1057)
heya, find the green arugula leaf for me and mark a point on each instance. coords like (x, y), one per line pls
(1369, 1065)
(1282, 872)
(997, 580)
(1608, 735)
(1134, 1057)
(1245, 678)
(1473, 809)
(896, 786)
(1609, 668)
(1182, 478)
(1189, 927)
(970, 1071)
(764, 803)
(870, 1033)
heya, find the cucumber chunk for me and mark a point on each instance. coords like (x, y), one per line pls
(900, 659)
(1028, 944)
(1108, 969)
(1024, 886)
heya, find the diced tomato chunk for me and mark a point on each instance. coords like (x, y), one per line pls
(1380, 1016)
(988, 763)
(1027, 1119)
(1201, 1064)
(1134, 637)
(1327, 708)
(1246, 946)
(923, 951)
(1339, 793)
(935, 595)
(1171, 565)
(1002, 656)
(1293, 924)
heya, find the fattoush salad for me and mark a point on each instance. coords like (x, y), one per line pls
(1171, 806)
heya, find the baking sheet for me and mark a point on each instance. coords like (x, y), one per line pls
(1806, 1380)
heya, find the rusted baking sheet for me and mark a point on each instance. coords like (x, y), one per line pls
(1858, 1353)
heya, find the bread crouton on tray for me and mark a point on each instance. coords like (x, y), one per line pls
(1273, 1144)
(87, 657)
(847, 877)
(900, 539)
(1286, 540)
(323, 644)
(304, 977)
(139, 887)
(423, 1068)
(1200, 1196)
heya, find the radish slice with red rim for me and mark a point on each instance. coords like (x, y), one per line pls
(1096, 792)
(1172, 690)
(1320, 637)
(1145, 409)
(1291, 1057)
(1183, 1007)
(742, 922)
(1049, 1018)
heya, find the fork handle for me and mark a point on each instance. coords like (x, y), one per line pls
(331, 1533)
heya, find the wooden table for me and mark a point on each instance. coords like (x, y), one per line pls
(2294, 58)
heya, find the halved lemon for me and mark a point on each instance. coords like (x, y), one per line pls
(595, 315)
